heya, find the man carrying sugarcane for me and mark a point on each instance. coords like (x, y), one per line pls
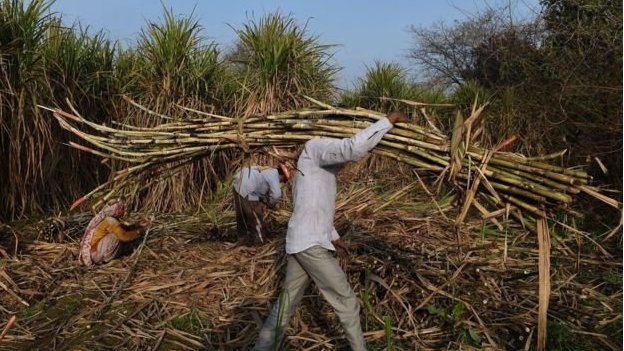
(311, 238)
(107, 236)
(253, 186)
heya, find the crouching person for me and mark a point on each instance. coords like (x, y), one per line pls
(107, 236)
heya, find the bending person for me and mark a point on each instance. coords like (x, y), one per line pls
(108, 237)
(251, 187)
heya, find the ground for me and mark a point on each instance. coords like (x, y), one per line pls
(422, 282)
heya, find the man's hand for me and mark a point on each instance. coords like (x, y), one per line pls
(342, 249)
(397, 116)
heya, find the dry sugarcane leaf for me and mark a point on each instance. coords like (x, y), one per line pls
(457, 154)
(429, 120)
(470, 195)
(543, 238)
(485, 214)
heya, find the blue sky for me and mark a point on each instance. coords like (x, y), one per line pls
(365, 30)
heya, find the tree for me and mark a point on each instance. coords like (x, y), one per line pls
(556, 80)
(452, 54)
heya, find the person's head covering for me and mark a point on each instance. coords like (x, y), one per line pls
(115, 209)
(287, 162)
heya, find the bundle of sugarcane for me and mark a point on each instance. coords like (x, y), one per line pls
(524, 187)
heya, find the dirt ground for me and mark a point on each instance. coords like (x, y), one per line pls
(423, 284)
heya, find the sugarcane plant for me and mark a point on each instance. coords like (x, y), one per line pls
(492, 181)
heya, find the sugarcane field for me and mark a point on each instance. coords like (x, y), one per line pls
(274, 175)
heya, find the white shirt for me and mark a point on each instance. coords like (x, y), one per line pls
(253, 184)
(314, 188)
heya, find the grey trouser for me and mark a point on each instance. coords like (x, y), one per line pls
(319, 265)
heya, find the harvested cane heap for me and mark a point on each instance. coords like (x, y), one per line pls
(493, 181)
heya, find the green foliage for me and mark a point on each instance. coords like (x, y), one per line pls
(470, 91)
(562, 338)
(33, 309)
(190, 322)
(555, 83)
(79, 66)
(488, 229)
(365, 295)
(387, 80)
(172, 61)
(457, 313)
(173, 65)
(24, 135)
(279, 62)
(583, 61)
(558, 334)
(72, 307)
(22, 32)
(388, 333)
(436, 310)
(474, 336)
(43, 63)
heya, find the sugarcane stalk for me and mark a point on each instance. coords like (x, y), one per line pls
(511, 189)
(533, 162)
(526, 183)
(543, 181)
(407, 159)
(567, 177)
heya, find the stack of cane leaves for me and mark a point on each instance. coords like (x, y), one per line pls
(495, 183)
